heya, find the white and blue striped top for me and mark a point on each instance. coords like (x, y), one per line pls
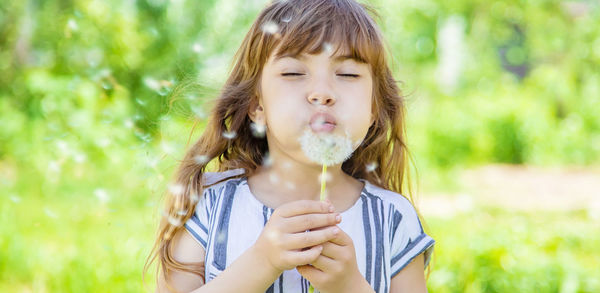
(383, 225)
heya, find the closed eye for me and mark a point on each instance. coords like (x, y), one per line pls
(291, 74)
(349, 75)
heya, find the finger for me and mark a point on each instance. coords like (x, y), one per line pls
(302, 207)
(310, 238)
(303, 257)
(302, 223)
(309, 272)
(325, 264)
(333, 250)
(342, 239)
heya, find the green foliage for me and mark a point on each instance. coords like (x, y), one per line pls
(97, 99)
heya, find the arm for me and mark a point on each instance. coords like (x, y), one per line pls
(279, 247)
(411, 278)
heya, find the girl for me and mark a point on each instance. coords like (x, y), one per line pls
(257, 225)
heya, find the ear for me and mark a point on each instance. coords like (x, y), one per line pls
(257, 112)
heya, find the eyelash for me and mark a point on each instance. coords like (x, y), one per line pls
(300, 74)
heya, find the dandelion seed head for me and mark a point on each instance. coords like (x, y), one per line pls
(325, 148)
(270, 27)
(229, 134)
(370, 167)
(258, 130)
(176, 189)
(201, 159)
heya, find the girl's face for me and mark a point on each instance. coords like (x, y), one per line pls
(293, 89)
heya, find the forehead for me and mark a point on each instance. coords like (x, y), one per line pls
(335, 55)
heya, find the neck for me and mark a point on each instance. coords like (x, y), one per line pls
(296, 181)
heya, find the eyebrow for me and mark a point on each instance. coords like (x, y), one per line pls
(336, 59)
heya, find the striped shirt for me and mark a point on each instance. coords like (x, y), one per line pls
(384, 227)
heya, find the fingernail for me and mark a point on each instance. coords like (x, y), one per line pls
(338, 218)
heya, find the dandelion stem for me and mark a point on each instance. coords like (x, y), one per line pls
(323, 180)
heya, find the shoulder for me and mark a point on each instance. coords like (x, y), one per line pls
(217, 180)
(390, 199)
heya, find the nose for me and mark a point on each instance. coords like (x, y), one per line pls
(322, 96)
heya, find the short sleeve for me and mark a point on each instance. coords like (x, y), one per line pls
(197, 225)
(408, 238)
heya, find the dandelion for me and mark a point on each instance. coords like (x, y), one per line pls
(371, 166)
(326, 149)
(258, 130)
(229, 134)
(270, 27)
(201, 159)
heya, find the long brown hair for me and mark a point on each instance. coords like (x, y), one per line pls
(294, 27)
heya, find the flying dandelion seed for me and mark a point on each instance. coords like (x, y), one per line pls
(174, 221)
(370, 167)
(128, 123)
(258, 130)
(140, 102)
(328, 48)
(167, 148)
(181, 212)
(72, 24)
(79, 158)
(201, 159)
(267, 160)
(15, 198)
(273, 178)
(198, 112)
(270, 27)
(176, 189)
(50, 213)
(152, 83)
(194, 197)
(102, 195)
(229, 134)
(286, 18)
(197, 48)
(327, 177)
(54, 166)
(290, 185)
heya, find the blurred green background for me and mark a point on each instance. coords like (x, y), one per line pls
(503, 100)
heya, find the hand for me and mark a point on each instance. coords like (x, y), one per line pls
(285, 242)
(335, 269)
